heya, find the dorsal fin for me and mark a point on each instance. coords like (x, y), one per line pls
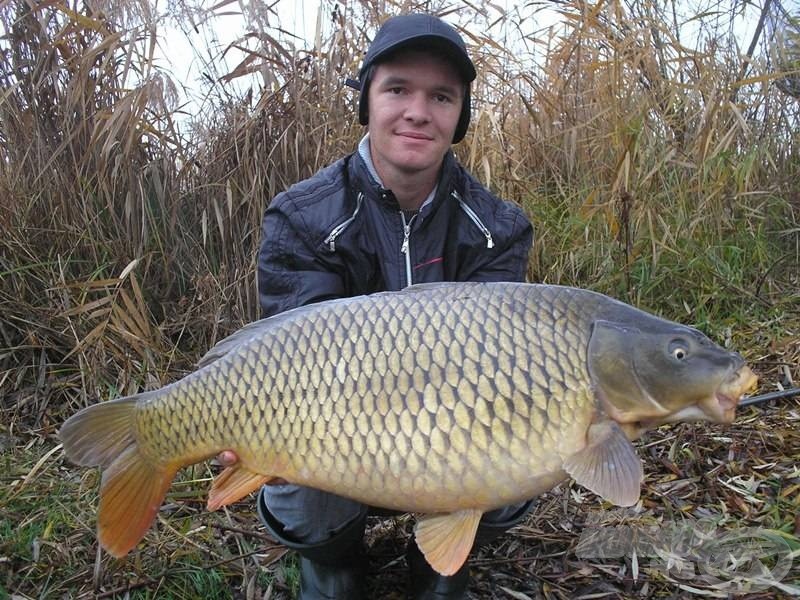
(250, 331)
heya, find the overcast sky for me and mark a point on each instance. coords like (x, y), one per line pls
(178, 51)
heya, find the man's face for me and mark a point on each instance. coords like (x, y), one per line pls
(414, 104)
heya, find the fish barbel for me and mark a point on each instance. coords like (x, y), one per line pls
(446, 399)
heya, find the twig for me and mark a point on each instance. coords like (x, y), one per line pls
(226, 561)
(483, 562)
(35, 468)
(131, 586)
(750, 50)
(247, 532)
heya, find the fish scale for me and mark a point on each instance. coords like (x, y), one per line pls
(443, 398)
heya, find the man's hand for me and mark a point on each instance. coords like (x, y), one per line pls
(227, 458)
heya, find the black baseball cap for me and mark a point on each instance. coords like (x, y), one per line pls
(424, 31)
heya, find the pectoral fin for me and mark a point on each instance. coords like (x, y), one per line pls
(445, 540)
(608, 465)
(233, 483)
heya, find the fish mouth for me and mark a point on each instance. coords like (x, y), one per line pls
(718, 407)
(721, 407)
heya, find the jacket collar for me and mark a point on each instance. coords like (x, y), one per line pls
(364, 178)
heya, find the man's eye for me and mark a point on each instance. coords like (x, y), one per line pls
(442, 98)
(396, 90)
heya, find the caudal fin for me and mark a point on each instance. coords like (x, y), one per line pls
(133, 486)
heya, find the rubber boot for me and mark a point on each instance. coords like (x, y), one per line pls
(330, 570)
(427, 584)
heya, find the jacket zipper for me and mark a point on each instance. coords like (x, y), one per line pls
(475, 219)
(404, 248)
(337, 231)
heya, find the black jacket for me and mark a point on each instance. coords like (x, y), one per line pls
(339, 234)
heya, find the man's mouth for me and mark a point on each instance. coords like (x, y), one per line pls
(415, 135)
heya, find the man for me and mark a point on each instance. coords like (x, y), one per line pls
(399, 211)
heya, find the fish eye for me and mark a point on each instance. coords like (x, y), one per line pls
(678, 349)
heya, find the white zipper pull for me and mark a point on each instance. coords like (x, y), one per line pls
(405, 246)
(336, 231)
(475, 219)
(406, 234)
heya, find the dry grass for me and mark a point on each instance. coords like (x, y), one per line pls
(651, 170)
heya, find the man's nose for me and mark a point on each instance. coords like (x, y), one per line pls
(417, 109)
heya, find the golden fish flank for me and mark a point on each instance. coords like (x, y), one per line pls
(446, 398)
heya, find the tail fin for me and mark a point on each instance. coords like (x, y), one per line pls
(133, 486)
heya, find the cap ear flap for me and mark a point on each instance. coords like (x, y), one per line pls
(363, 98)
(464, 117)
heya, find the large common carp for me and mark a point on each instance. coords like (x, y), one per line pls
(444, 399)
